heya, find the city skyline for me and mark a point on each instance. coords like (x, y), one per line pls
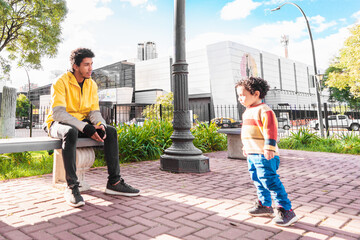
(113, 28)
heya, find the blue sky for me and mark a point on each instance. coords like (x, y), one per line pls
(112, 29)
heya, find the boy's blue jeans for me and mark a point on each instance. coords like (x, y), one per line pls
(266, 180)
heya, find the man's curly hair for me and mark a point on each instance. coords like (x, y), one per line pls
(78, 55)
(253, 84)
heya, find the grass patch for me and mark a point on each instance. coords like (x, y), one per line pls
(25, 164)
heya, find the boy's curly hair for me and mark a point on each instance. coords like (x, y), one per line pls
(78, 55)
(253, 84)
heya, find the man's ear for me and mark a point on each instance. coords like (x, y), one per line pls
(257, 93)
(75, 67)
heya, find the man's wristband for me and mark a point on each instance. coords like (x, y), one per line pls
(89, 130)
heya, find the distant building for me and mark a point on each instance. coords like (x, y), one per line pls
(214, 70)
(146, 51)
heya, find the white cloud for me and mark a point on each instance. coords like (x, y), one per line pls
(83, 11)
(274, 2)
(356, 16)
(151, 8)
(238, 9)
(318, 23)
(135, 2)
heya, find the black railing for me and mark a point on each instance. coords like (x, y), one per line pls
(290, 117)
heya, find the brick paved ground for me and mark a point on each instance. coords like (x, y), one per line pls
(324, 189)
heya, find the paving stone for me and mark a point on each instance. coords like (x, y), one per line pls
(323, 187)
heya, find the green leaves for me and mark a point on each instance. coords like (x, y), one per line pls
(22, 106)
(30, 30)
(164, 104)
(147, 142)
(348, 74)
(207, 139)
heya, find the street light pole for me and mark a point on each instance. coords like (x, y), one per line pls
(182, 155)
(317, 85)
(30, 114)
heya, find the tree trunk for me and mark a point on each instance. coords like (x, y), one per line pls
(8, 110)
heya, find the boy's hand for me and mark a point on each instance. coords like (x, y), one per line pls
(244, 153)
(269, 154)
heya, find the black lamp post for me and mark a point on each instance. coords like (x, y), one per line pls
(317, 85)
(182, 155)
(31, 108)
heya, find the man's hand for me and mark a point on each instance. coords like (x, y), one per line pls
(269, 154)
(90, 131)
(102, 129)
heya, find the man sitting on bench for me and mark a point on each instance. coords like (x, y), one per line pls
(75, 113)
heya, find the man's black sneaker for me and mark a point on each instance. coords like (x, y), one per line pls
(121, 188)
(73, 198)
(284, 217)
(261, 211)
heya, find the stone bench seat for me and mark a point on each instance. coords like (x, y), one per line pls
(234, 142)
(85, 155)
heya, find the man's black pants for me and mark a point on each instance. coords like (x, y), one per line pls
(69, 136)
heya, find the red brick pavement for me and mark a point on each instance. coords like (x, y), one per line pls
(324, 189)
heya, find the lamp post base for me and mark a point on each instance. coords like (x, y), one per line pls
(184, 164)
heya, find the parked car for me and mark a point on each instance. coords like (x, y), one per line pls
(338, 121)
(226, 122)
(283, 123)
(23, 123)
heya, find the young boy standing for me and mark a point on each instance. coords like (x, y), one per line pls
(259, 135)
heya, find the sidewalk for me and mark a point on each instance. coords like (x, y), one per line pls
(324, 189)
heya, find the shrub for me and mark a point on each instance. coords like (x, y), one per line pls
(145, 142)
(207, 139)
(298, 139)
(348, 143)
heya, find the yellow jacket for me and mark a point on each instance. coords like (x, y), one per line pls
(70, 105)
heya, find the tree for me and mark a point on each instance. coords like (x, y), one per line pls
(348, 74)
(341, 95)
(29, 30)
(167, 108)
(22, 106)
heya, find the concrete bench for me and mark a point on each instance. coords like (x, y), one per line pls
(234, 141)
(85, 155)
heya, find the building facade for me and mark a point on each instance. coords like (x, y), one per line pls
(214, 71)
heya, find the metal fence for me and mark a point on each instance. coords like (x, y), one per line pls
(337, 118)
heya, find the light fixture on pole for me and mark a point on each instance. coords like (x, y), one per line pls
(318, 98)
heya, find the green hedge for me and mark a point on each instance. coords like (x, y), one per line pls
(148, 142)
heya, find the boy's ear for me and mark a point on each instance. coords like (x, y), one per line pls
(257, 93)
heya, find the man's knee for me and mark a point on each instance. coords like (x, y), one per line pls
(111, 132)
(72, 134)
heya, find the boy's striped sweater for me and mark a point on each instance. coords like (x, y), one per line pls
(259, 129)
